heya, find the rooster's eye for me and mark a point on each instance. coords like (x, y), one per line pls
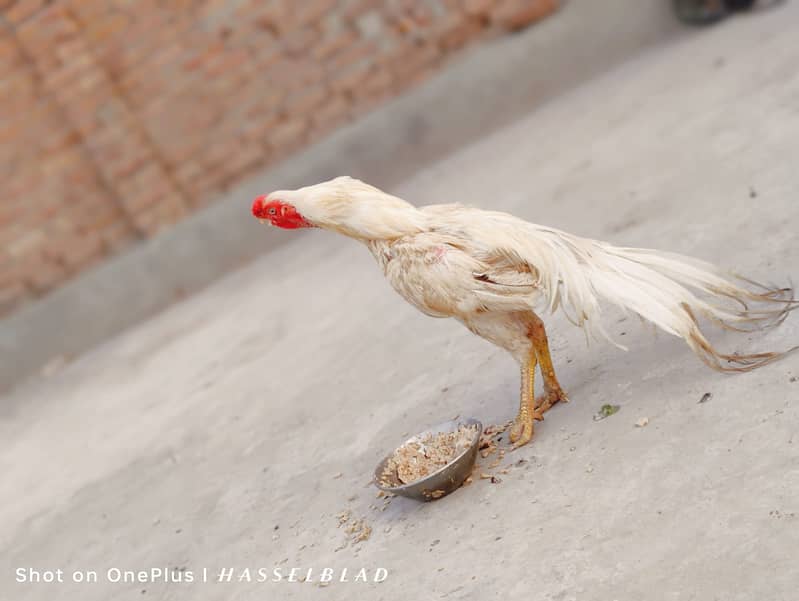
(272, 210)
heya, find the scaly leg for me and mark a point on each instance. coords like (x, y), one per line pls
(522, 429)
(553, 393)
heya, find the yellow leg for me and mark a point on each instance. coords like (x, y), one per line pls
(553, 393)
(522, 430)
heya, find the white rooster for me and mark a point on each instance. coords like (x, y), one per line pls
(492, 272)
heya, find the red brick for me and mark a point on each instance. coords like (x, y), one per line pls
(334, 112)
(355, 8)
(75, 251)
(11, 271)
(22, 9)
(259, 130)
(352, 55)
(242, 161)
(327, 46)
(187, 171)
(306, 100)
(9, 214)
(226, 63)
(27, 243)
(117, 236)
(288, 135)
(518, 14)
(149, 178)
(10, 56)
(274, 16)
(42, 275)
(112, 25)
(216, 154)
(351, 78)
(478, 8)
(142, 201)
(292, 74)
(159, 216)
(58, 141)
(459, 34)
(296, 42)
(265, 56)
(310, 11)
(127, 164)
(379, 82)
(17, 93)
(93, 217)
(413, 63)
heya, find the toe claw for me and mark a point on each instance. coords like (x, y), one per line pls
(521, 432)
(550, 397)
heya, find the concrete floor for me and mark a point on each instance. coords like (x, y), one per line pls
(213, 435)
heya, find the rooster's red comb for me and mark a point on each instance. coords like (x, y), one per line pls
(259, 208)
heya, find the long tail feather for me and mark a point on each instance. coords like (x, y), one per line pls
(668, 290)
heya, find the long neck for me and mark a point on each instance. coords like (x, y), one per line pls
(369, 214)
(383, 224)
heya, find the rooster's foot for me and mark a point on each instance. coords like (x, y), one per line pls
(521, 432)
(551, 397)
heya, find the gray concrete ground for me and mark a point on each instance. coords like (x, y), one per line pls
(487, 86)
(212, 435)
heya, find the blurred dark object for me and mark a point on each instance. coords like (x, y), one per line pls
(700, 12)
(705, 12)
(739, 4)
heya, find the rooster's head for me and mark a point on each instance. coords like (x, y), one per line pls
(343, 204)
(279, 213)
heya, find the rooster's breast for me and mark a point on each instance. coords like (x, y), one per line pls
(434, 276)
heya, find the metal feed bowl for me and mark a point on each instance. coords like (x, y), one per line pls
(444, 480)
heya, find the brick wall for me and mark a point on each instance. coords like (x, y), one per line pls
(120, 117)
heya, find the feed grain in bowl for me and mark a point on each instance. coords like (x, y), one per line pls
(433, 463)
